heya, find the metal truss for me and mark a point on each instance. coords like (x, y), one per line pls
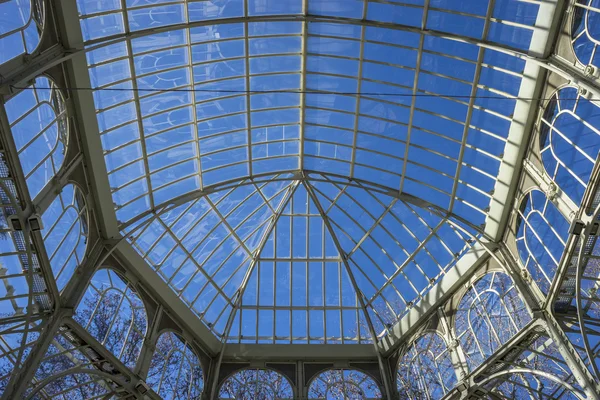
(111, 246)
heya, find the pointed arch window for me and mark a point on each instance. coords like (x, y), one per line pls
(21, 27)
(541, 236)
(255, 384)
(113, 313)
(426, 369)
(570, 140)
(343, 384)
(38, 121)
(489, 314)
(175, 370)
(65, 233)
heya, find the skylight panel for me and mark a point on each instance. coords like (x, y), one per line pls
(337, 8)
(299, 265)
(205, 258)
(368, 121)
(253, 84)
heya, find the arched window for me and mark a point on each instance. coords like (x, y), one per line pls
(585, 33)
(65, 233)
(21, 27)
(570, 141)
(175, 370)
(38, 122)
(426, 369)
(489, 314)
(541, 236)
(256, 384)
(113, 313)
(342, 384)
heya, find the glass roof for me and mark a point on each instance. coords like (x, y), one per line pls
(299, 249)
(297, 162)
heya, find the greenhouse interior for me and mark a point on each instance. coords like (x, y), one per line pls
(299, 199)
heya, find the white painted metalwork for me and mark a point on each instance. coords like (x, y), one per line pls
(297, 186)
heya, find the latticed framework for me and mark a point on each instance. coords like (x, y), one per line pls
(299, 199)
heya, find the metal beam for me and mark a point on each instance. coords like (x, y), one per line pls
(305, 352)
(104, 41)
(590, 386)
(565, 205)
(302, 176)
(359, 295)
(523, 121)
(23, 206)
(82, 275)
(160, 291)
(437, 295)
(459, 360)
(547, 24)
(573, 74)
(48, 194)
(535, 299)
(255, 258)
(471, 105)
(30, 67)
(521, 127)
(149, 345)
(85, 117)
(131, 379)
(22, 376)
(415, 90)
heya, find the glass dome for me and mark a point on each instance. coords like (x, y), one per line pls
(327, 149)
(299, 199)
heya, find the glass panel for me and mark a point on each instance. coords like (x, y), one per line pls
(16, 341)
(203, 248)
(299, 281)
(546, 375)
(542, 232)
(38, 121)
(256, 384)
(68, 371)
(585, 35)
(113, 313)
(393, 131)
(175, 370)
(570, 141)
(343, 384)
(225, 102)
(426, 368)
(65, 233)
(489, 314)
(396, 251)
(21, 27)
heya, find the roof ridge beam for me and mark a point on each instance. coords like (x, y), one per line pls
(357, 290)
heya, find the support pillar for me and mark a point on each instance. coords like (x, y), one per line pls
(566, 349)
